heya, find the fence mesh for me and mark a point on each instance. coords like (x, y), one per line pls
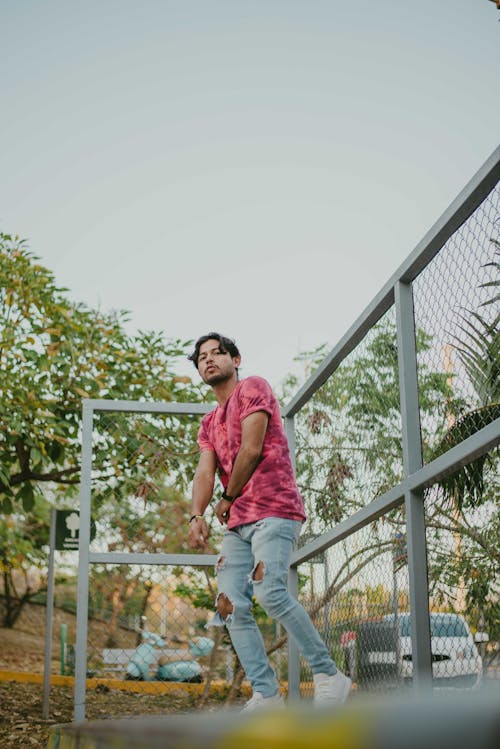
(145, 621)
(349, 451)
(348, 436)
(356, 592)
(457, 323)
(150, 623)
(142, 466)
(463, 558)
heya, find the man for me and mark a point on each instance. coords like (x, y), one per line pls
(244, 440)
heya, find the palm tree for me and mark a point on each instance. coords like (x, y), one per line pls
(479, 352)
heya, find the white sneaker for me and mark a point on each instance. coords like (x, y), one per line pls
(259, 702)
(331, 690)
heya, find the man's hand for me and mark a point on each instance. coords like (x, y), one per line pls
(198, 534)
(222, 510)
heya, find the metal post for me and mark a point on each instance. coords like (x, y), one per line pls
(83, 564)
(49, 610)
(289, 423)
(414, 501)
(419, 592)
(293, 587)
(64, 632)
(293, 652)
(326, 582)
(395, 611)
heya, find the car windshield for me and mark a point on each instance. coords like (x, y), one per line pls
(442, 625)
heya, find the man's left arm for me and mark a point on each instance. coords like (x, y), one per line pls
(253, 431)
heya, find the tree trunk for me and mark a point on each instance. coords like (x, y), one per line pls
(120, 596)
(13, 602)
(211, 666)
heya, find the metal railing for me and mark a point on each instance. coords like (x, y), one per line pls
(364, 509)
(397, 297)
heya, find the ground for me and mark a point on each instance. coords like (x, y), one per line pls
(21, 722)
(22, 725)
(22, 651)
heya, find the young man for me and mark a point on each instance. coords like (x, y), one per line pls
(244, 440)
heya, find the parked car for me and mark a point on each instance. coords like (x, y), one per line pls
(384, 651)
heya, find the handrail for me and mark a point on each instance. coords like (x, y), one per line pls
(455, 215)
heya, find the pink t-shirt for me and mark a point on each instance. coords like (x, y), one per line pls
(271, 491)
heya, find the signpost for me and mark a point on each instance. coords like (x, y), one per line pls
(64, 536)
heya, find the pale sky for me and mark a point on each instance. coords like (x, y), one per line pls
(257, 168)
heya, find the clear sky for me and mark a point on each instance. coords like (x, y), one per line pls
(259, 168)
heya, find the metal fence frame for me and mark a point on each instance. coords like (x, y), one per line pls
(397, 291)
(85, 556)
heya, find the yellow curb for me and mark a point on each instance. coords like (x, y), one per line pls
(29, 678)
(140, 687)
(145, 687)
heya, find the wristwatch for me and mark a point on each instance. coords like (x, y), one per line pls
(227, 497)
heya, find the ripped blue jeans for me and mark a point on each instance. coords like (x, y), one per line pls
(254, 559)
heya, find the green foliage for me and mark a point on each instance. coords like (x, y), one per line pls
(349, 451)
(22, 547)
(22, 539)
(464, 553)
(479, 353)
(53, 353)
(466, 487)
(199, 595)
(469, 513)
(349, 434)
(479, 347)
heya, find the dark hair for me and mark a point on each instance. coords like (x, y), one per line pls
(226, 345)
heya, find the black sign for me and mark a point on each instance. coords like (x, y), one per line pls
(68, 530)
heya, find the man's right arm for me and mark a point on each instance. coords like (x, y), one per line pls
(203, 489)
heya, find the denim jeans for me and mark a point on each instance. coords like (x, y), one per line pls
(254, 559)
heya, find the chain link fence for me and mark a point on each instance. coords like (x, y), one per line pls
(348, 435)
(349, 451)
(357, 564)
(161, 633)
(457, 317)
(153, 618)
(356, 592)
(457, 305)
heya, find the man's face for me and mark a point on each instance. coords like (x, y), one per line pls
(214, 365)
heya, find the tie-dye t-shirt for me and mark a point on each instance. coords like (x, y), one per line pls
(271, 491)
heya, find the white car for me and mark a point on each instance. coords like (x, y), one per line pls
(455, 658)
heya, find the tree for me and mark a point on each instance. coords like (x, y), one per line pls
(478, 351)
(349, 434)
(348, 438)
(22, 540)
(470, 494)
(54, 353)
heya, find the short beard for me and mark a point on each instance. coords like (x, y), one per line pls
(217, 379)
